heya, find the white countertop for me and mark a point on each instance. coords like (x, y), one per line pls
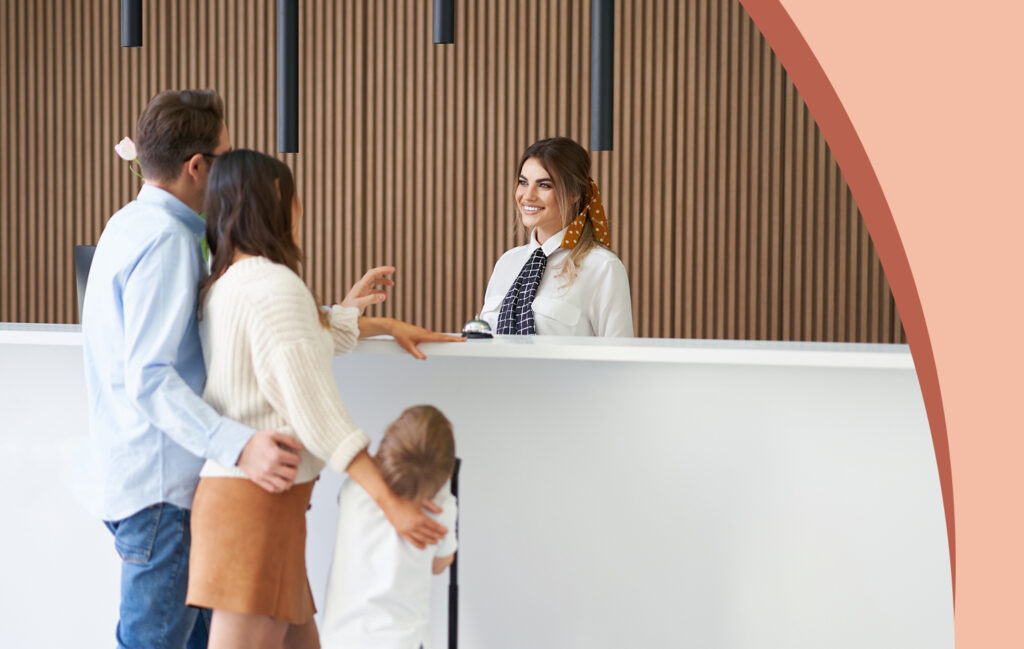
(651, 350)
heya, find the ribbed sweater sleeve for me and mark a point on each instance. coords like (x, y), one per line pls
(292, 363)
(344, 328)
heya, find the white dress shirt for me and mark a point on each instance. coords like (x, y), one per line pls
(378, 589)
(596, 304)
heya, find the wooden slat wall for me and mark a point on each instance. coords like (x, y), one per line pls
(726, 204)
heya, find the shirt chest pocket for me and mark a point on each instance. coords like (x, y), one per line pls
(563, 312)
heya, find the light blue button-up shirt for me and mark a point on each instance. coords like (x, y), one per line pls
(149, 428)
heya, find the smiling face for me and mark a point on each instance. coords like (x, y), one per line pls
(537, 200)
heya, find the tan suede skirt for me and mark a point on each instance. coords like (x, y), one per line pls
(249, 550)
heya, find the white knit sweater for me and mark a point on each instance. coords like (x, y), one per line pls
(268, 363)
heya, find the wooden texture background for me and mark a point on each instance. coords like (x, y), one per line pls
(726, 205)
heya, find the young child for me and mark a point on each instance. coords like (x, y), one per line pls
(378, 591)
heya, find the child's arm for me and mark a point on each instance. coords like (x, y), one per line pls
(446, 548)
(440, 563)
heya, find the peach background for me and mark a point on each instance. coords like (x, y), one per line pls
(922, 106)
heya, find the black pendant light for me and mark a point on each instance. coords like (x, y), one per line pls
(602, 41)
(288, 76)
(444, 22)
(131, 23)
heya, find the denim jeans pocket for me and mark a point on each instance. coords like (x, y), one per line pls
(135, 536)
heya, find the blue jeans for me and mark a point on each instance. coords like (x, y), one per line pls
(153, 545)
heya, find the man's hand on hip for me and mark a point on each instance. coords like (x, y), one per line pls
(271, 460)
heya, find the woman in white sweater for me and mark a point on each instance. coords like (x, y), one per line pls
(268, 349)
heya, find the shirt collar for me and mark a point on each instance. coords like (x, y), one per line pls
(153, 195)
(551, 245)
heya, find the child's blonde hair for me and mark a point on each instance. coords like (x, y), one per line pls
(417, 454)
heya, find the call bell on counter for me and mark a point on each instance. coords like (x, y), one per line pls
(477, 328)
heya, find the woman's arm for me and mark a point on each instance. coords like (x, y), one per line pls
(407, 518)
(408, 336)
(348, 323)
(292, 367)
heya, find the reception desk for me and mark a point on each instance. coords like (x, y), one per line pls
(640, 493)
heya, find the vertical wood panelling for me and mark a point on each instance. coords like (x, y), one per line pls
(726, 204)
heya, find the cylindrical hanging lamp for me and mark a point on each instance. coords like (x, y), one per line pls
(444, 22)
(131, 23)
(602, 41)
(288, 76)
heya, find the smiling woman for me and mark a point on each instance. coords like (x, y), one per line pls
(566, 281)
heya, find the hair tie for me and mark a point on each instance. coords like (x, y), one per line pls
(595, 209)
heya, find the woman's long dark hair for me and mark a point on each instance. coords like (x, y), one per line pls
(248, 209)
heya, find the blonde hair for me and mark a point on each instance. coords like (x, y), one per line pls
(569, 166)
(417, 454)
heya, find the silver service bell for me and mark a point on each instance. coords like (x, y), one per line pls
(477, 328)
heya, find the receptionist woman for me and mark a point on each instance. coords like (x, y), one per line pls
(566, 281)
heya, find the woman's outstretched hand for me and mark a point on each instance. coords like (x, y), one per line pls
(409, 336)
(371, 289)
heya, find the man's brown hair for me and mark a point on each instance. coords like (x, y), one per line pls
(417, 454)
(176, 125)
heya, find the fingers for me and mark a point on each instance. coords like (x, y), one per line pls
(287, 473)
(380, 270)
(368, 300)
(279, 483)
(427, 530)
(435, 530)
(272, 483)
(431, 506)
(377, 275)
(285, 459)
(271, 460)
(263, 484)
(414, 540)
(409, 345)
(277, 479)
(420, 536)
(286, 441)
(436, 337)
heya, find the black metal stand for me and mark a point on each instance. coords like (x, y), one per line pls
(453, 574)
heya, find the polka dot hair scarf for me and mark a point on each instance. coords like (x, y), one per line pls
(594, 208)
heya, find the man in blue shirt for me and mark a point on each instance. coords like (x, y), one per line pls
(149, 429)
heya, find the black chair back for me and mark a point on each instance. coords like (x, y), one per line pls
(83, 260)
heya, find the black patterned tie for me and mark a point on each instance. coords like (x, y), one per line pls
(516, 315)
